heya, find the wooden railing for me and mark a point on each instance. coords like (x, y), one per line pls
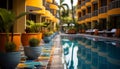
(95, 13)
(87, 0)
(103, 9)
(88, 15)
(114, 4)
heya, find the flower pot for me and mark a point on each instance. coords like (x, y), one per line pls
(9, 60)
(25, 37)
(46, 39)
(16, 40)
(40, 36)
(32, 52)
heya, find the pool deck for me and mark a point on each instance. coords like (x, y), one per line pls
(56, 62)
(97, 36)
(56, 59)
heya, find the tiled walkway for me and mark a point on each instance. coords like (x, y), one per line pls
(56, 62)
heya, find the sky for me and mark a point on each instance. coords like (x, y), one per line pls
(68, 2)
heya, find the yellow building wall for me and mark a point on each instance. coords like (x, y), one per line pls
(19, 7)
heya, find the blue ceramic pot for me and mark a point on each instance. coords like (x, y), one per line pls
(32, 52)
(9, 60)
(46, 39)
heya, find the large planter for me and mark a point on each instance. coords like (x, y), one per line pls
(16, 40)
(25, 37)
(40, 36)
(9, 60)
(32, 52)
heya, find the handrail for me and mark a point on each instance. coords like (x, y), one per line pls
(95, 13)
(114, 4)
(103, 9)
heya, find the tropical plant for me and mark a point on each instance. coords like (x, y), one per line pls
(72, 11)
(32, 27)
(65, 13)
(7, 22)
(34, 42)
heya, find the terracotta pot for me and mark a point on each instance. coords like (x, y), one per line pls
(40, 36)
(16, 40)
(25, 37)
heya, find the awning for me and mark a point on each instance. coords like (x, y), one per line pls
(53, 6)
(42, 12)
(34, 5)
(50, 1)
(47, 14)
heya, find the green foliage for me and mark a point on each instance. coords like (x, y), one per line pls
(33, 27)
(34, 42)
(48, 33)
(65, 13)
(10, 47)
(7, 21)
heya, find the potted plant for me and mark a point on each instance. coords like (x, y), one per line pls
(33, 50)
(11, 58)
(9, 52)
(47, 36)
(32, 31)
(7, 21)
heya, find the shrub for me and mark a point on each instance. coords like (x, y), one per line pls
(34, 42)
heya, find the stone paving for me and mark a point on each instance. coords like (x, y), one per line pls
(56, 62)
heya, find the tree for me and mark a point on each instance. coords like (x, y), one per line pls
(65, 13)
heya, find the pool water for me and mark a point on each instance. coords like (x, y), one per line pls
(90, 53)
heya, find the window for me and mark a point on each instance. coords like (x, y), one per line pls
(7, 5)
(32, 17)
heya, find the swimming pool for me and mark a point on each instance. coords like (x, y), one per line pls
(85, 52)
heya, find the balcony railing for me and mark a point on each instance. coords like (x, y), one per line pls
(87, 0)
(84, 17)
(82, 3)
(80, 18)
(95, 13)
(103, 9)
(78, 6)
(114, 4)
(88, 15)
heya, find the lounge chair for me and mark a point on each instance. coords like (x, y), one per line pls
(110, 33)
(91, 31)
(102, 32)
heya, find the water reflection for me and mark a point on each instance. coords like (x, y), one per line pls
(91, 53)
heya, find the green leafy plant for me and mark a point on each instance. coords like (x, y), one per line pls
(10, 47)
(48, 33)
(34, 42)
(7, 22)
(33, 27)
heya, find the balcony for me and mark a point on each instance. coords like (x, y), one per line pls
(88, 15)
(95, 13)
(82, 18)
(87, 0)
(78, 7)
(82, 3)
(103, 9)
(114, 4)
